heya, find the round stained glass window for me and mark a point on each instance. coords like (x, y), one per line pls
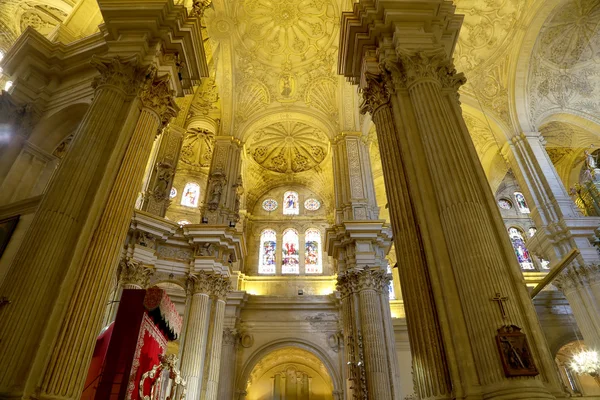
(173, 192)
(504, 204)
(312, 204)
(269, 204)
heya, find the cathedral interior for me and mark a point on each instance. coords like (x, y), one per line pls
(339, 200)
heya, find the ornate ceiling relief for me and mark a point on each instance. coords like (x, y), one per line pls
(564, 75)
(197, 149)
(485, 43)
(288, 147)
(43, 16)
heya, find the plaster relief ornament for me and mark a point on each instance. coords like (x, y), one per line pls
(288, 146)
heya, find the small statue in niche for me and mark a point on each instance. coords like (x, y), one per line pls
(239, 191)
(163, 178)
(215, 195)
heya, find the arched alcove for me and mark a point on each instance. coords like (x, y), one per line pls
(289, 369)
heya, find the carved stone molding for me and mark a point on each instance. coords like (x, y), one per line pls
(132, 272)
(123, 73)
(158, 96)
(355, 281)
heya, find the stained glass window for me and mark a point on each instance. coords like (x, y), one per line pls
(312, 204)
(290, 263)
(269, 205)
(290, 203)
(268, 246)
(312, 252)
(391, 284)
(173, 193)
(532, 231)
(504, 204)
(523, 256)
(190, 195)
(521, 203)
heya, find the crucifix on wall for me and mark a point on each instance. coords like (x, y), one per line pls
(500, 300)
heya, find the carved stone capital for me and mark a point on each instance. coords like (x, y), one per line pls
(577, 276)
(429, 65)
(375, 93)
(210, 284)
(230, 337)
(158, 96)
(123, 73)
(355, 281)
(132, 272)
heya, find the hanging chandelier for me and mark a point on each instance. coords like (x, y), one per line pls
(586, 362)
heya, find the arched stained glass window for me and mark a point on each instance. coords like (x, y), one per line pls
(290, 203)
(190, 195)
(523, 256)
(521, 203)
(268, 246)
(290, 262)
(312, 252)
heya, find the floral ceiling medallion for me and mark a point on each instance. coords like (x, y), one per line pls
(288, 147)
(295, 31)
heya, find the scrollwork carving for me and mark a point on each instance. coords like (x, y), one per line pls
(158, 96)
(433, 64)
(375, 94)
(123, 73)
(132, 272)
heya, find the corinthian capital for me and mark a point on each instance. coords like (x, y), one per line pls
(430, 64)
(158, 96)
(123, 73)
(354, 281)
(132, 272)
(221, 285)
(375, 94)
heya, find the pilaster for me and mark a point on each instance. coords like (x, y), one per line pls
(225, 186)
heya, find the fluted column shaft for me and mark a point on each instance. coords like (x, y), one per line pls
(72, 352)
(228, 363)
(42, 264)
(369, 370)
(458, 212)
(214, 349)
(430, 369)
(192, 363)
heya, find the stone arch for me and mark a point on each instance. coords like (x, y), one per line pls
(268, 348)
(52, 129)
(519, 72)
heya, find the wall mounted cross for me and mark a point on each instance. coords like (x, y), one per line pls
(500, 300)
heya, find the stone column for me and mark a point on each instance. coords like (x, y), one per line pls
(560, 228)
(72, 353)
(220, 286)
(194, 347)
(77, 191)
(131, 274)
(222, 201)
(156, 196)
(361, 291)
(228, 363)
(462, 237)
(581, 287)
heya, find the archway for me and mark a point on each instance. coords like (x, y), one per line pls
(289, 373)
